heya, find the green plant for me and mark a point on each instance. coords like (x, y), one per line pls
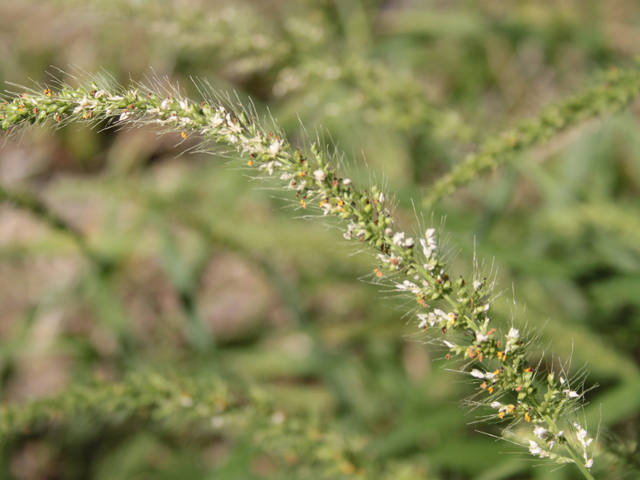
(536, 402)
(499, 361)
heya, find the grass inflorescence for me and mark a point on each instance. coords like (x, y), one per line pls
(508, 385)
(614, 92)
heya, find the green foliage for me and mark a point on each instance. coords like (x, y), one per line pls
(156, 412)
(516, 389)
(261, 355)
(617, 91)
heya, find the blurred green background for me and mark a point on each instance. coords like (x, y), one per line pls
(406, 88)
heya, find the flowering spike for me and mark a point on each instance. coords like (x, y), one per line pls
(457, 308)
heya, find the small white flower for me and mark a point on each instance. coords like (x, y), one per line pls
(275, 148)
(270, 166)
(571, 393)
(448, 344)
(166, 103)
(233, 126)
(433, 319)
(408, 286)
(534, 449)
(398, 239)
(423, 324)
(589, 463)
(354, 229)
(388, 231)
(347, 181)
(320, 175)
(512, 339)
(381, 197)
(84, 103)
(477, 285)
(495, 405)
(481, 337)
(580, 432)
(184, 104)
(426, 249)
(430, 317)
(477, 373)
(216, 120)
(429, 245)
(250, 147)
(350, 228)
(540, 432)
(326, 209)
